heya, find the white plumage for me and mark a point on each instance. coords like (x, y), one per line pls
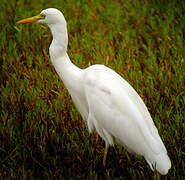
(105, 100)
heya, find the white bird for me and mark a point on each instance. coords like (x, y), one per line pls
(106, 102)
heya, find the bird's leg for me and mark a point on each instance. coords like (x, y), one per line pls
(96, 138)
(156, 175)
(105, 153)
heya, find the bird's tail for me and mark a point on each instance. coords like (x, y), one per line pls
(160, 162)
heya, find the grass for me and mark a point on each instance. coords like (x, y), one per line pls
(42, 136)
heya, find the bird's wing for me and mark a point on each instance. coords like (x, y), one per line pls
(119, 110)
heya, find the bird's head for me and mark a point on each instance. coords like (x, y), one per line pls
(50, 16)
(55, 20)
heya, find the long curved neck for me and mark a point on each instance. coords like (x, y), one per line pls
(67, 71)
(60, 38)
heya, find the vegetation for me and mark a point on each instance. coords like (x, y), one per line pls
(42, 136)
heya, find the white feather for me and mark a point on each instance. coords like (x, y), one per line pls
(106, 101)
(121, 113)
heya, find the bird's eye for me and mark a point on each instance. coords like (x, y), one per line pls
(42, 16)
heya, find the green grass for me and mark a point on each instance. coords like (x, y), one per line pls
(42, 136)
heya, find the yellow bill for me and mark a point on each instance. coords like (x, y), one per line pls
(30, 20)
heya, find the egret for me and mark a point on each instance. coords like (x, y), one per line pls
(106, 102)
